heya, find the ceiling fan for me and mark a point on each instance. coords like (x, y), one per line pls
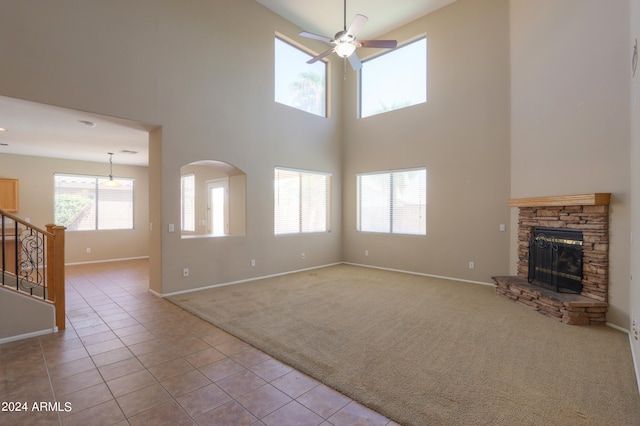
(345, 42)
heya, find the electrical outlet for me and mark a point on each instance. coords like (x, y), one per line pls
(472, 265)
(185, 272)
(366, 252)
(303, 255)
(88, 249)
(253, 262)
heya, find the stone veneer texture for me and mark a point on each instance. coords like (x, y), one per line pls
(593, 221)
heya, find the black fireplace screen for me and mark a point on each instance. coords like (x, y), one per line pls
(555, 259)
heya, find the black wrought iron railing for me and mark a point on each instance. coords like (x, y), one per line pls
(32, 261)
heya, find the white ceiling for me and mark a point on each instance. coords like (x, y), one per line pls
(48, 131)
(326, 17)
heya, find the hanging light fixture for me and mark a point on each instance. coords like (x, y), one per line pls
(111, 182)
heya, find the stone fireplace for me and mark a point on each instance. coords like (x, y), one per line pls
(587, 213)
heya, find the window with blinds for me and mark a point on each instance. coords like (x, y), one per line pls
(301, 201)
(393, 202)
(85, 203)
(188, 202)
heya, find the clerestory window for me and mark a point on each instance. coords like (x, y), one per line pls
(394, 80)
(298, 84)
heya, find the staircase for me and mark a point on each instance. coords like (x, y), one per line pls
(32, 267)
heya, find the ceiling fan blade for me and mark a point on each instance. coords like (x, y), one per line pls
(355, 61)
(320, 56)
(315, 36)
(356, 25)
(385, 44)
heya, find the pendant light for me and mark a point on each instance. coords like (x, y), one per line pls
(110, 182)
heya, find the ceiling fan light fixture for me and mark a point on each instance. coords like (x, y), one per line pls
(345, 49)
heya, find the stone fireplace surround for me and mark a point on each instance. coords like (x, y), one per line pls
(588, 213)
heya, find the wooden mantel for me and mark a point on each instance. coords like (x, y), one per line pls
(595, 199)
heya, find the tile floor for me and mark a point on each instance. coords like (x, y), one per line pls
(130, 358)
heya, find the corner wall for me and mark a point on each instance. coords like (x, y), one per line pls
(570, 115)
(461, 135)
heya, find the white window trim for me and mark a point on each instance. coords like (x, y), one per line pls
(388, 172)
(328, 175)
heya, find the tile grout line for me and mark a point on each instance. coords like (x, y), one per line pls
(46, 365)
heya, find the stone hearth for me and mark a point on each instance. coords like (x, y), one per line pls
(586, 212)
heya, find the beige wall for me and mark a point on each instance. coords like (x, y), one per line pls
(36, 317)
(36, 203)
(635, 195)
(203, 71)
(570, 127)
(461, 135)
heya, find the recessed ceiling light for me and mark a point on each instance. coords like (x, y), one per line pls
(127, 151)
(88, 123)
(2, 129)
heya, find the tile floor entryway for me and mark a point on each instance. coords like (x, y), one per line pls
(128, 357)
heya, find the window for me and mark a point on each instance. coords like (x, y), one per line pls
(84, 203)
(394, 80)
(188, 202)
(213, 201)
(301, 201)
(218, 206)
(298, 84)
(393, 202)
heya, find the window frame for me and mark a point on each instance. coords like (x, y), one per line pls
(97, 206)
(183, 207)
(388, 206)
(301, 202)
(306, 51)
(371, 59)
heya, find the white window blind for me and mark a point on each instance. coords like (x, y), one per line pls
(83, 203)
(188, 202)
(301, 201)
(393, 202)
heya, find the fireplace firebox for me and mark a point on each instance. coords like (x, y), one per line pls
(555, 259)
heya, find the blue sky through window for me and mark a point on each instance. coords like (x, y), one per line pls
(298, 84)
(394, 80)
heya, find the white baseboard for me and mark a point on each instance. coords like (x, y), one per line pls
(636, 360)
(28, 335)
(174, 293)
(421, 274)
(106, 260)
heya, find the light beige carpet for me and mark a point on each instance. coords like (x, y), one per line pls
(426, 351)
